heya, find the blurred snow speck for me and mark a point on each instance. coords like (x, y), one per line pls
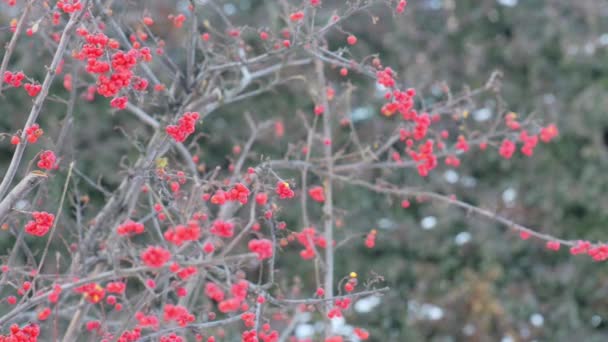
(451, 176)
(537, 320)
(425, 311)
(367, 304)
(229, 9)
(596, 320)
(509, 195)
(549, 98)
(469, 181)
(433, 4)
(469, 329)
(305, 330)
(428, 222)
(508, 3)
(482, 114)
(462, 238)
(21, 204)
(385, 223)
(381, 90)
(361, 114)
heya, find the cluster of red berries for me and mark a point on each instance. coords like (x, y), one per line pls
(425, 158)
(266, 336)
(155, 256)
(462, 144)
(54, 295)
(140, 84)
(183, 272)
(146, 321)
(171, 337)
(213, 291)
(296, 16)
(319, 109)
(41, 224)
(119, 102)
(548, 133)
(222, 228)
(350, 285)
(116, 287)
(93, 292)
(401, 6)
(262, 247)
(452, 161)
(253, 336)
(47, 160)
(127, 336)
(351, 40)
(317, 194)
(424, 155)
(33, 133)
(177, 313)
(69, 6)
(117, 73)
(506, 149)
(261, 198)
(308, 238)
(25, 287)
(14, 79)
(249, 319)
(32, 89)
(553, 245)
(249, 336)
(511, 121)
(596, 252)
(386, 77)
(370, 239)
(362, 334)
(94, 325)
(185, 126)
(530, 142)
(238, 192)
(339, 305)
(284, 190)
(130, 228)
(158, 208)
(178, 20)
(239, 293)
(28, 333)
(56, 18)
(178, 234)
(208, 247)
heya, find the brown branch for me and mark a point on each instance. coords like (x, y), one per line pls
(13, 43)
(328, 205)
(39, 101)
(22, 188)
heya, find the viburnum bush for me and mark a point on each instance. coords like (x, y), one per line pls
(179, 251)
